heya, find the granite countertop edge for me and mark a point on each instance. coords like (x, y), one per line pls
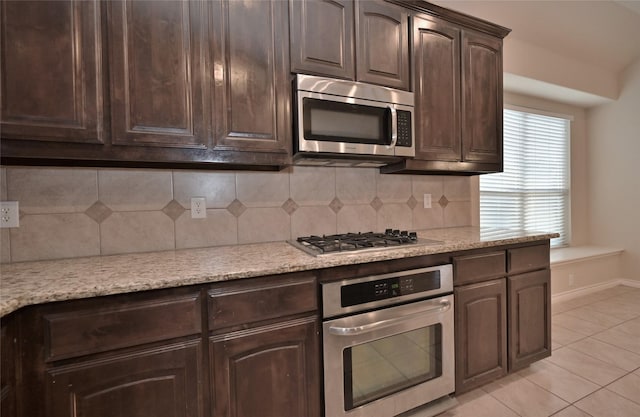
(30, 283)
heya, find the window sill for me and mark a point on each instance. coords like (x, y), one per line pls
(563, 256)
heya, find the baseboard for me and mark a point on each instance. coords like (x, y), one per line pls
(579, 292)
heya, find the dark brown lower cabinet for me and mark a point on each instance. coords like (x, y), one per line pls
(267, 371)
(165, 381)
(529, 318)
(481, 333)
(8, 367)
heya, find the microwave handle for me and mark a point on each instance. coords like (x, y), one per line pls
(394, 126)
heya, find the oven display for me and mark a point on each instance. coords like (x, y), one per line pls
(366, 292)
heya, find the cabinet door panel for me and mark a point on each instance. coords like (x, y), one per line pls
(251, 75)
(270, 371)
(481, 333)
(51, 74)
(156, 73)
(529, 318)
(383, 44)
(162, 382)
(437, 66)
(322, 34)
(482, 98)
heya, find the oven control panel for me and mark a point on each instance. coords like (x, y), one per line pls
(376, 291)
(366, 292)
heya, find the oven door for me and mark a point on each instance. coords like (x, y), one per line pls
(345, 125)
(385, 362)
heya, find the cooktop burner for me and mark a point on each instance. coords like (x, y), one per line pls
(321, 245)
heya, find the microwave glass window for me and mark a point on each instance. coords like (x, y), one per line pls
(332, 121)
(385, 366)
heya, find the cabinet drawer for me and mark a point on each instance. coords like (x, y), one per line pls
(261, 299)
(480, 267)
(81, 332)
(528, 258)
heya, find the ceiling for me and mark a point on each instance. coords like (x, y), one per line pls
(600, 34)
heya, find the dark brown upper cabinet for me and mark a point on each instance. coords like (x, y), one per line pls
(458, 86)
(250, 73)
(51, 71)
(157, 73)
(146, 83)
(358, 40)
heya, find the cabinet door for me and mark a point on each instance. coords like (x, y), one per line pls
(51, 71)
(529, 318)
(157, 73)
(251, 75)
(481, 333)
(270, 371)
(165, 381)
(383, 44)
(482, 98)
(437, 90)
(8, 359)
(322, 37)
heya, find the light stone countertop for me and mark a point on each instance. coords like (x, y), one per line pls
(30, 283)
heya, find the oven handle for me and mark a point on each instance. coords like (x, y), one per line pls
(394, 126)
(369, 327)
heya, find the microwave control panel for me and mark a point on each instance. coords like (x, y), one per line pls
(404, 129)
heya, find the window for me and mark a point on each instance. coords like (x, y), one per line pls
(533, 191)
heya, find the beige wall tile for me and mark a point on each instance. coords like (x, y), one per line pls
(394, 216)
(3, 184)
(263, 225)
(313, 186)
(357, 218)
(52, 190)
(355, 185)
(457, 213)
(431, 218)
(135, 190)
(262, 189)
(54, 236)
(5, 246)
(457, 188)
(219, 188)
(313, 220)
(219, 228)
(393, 188)
(427, 184)
(143, 231)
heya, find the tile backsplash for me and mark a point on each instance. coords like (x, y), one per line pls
(72, 212)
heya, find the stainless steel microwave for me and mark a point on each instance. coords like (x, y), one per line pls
(348, 123)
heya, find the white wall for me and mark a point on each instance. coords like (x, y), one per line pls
(614, 172)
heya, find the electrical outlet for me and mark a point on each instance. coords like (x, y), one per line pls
(10, 214)
(572, 280)
(427, 201)
(198, 208)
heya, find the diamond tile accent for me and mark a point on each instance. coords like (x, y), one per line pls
(376, 203)
(443, 202)
(98, 212)
(336, 205)
(290, 206)
(412, 202)
(173, 210)
(236, 208)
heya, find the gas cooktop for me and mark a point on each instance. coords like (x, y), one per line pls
(349, 242)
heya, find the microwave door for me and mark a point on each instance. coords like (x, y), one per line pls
(345, 125)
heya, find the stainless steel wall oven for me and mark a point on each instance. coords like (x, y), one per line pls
(388, 343)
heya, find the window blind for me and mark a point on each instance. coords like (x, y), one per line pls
(533, 191)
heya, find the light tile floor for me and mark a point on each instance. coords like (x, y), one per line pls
(594, 369)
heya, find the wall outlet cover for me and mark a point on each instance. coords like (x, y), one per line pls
(198, 208)
(9, 214)
(427, 201)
